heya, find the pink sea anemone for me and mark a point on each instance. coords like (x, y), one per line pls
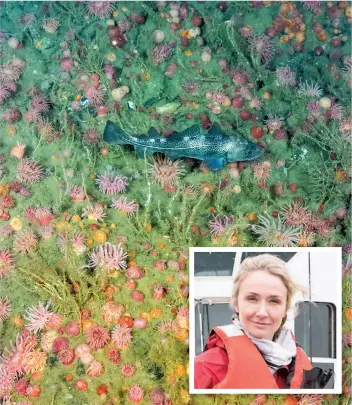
(95, 369)
(101, 9)
(135, 272)
(95, 95)
(97, 336)
(25, 242)
(285, 76)
(122, 336)
(114, 355)
(273, 122)
(296, 215)
(13, 357)
(77, 193)
(261, 171)
(157, 396)
(111, 184)
(73, 328)
(111, 312)
(5, 308)
(66, 356)
(162, 52)
(137, 295)
(7, 262)
(29, 171)
(94, 212)
(127, 370)
(136, 394)
(40, 103)
(165, 171)
(220, 224)
(38, 317)
(12, 115)
(125, 206)
(107, 258)
(91, 136)
(261, 46)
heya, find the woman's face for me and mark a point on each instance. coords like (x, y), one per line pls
(261, 304)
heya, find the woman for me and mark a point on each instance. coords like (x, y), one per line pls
(256, 351)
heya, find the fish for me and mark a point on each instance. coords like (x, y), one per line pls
(216, 149)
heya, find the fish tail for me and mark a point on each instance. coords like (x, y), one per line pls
(114, 134)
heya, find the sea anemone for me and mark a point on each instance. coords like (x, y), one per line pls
(25, 242)
(29, 171)
(66, 356)
(38, 317)
(191, 86)
(125, 206)
(35, 361)
(121, 336)
(111, 184)
(5, 308)
(101, 9)
(277, 234)
(95, 95)
(162, 52)
(40, 103)
(94, 213)
(97, 336)
(111, 312)
(91, 136)
(114, 355)
(7, 262)
(136, 394)
(47, 340)
(285, 76)
(296, 215)
(95, 369)
(165, 171)
(261, 46)
(309, 89)
(127, 370)
(220, 224)
(261, 171)
(273, 122)
(13, 360)
(107, 258)
(78, 242)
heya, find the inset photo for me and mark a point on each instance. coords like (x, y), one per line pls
(265, 320)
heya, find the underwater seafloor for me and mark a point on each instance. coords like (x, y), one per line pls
(94, 239)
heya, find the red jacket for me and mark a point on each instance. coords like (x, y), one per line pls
(231, 360)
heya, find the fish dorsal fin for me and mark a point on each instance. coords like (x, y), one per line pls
(215, 129)
(192, 131)
(153, 133)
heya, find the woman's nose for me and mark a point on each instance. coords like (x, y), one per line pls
(262, 309)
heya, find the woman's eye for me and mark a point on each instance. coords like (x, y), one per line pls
(251, 298)
(275, 302)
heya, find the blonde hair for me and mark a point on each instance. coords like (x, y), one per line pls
(273, 265)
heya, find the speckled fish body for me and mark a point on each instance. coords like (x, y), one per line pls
(215, 148)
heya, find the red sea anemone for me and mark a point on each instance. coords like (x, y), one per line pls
(97, 336)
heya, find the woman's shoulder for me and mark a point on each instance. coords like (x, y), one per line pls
(210, 367)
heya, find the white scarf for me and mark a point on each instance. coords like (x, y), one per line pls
(276, 354)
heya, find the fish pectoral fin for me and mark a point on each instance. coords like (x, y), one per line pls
(214, 164)
(143, 151)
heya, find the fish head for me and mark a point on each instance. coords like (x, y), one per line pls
(244, 150)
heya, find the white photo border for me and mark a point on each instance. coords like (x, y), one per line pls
(338, 370)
